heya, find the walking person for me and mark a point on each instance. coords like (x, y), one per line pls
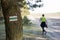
(43, 24)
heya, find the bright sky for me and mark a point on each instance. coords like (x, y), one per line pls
(50, 6)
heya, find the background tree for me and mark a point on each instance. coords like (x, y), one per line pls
(13, 28)
(24, 8)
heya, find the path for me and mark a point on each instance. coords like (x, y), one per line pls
(53, 28)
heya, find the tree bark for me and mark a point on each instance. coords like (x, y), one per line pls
(13, 28)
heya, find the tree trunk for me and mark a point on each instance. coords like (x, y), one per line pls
(13, 20)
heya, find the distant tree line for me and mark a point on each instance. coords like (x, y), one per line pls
(38, 3)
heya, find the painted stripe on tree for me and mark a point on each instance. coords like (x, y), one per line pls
(13, 18)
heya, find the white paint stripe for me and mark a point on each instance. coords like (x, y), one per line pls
(13, 18)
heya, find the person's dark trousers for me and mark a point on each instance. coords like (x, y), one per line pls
(43, 30)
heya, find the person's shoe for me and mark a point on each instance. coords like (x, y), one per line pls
(45, 32)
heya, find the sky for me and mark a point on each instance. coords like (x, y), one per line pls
(49, 6)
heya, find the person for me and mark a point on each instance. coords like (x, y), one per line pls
(43, 24)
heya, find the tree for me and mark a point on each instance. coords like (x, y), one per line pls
(14, 27)
(0, 5)
(26, 21)
(24, 8)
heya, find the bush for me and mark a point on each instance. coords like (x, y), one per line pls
(26, 21)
